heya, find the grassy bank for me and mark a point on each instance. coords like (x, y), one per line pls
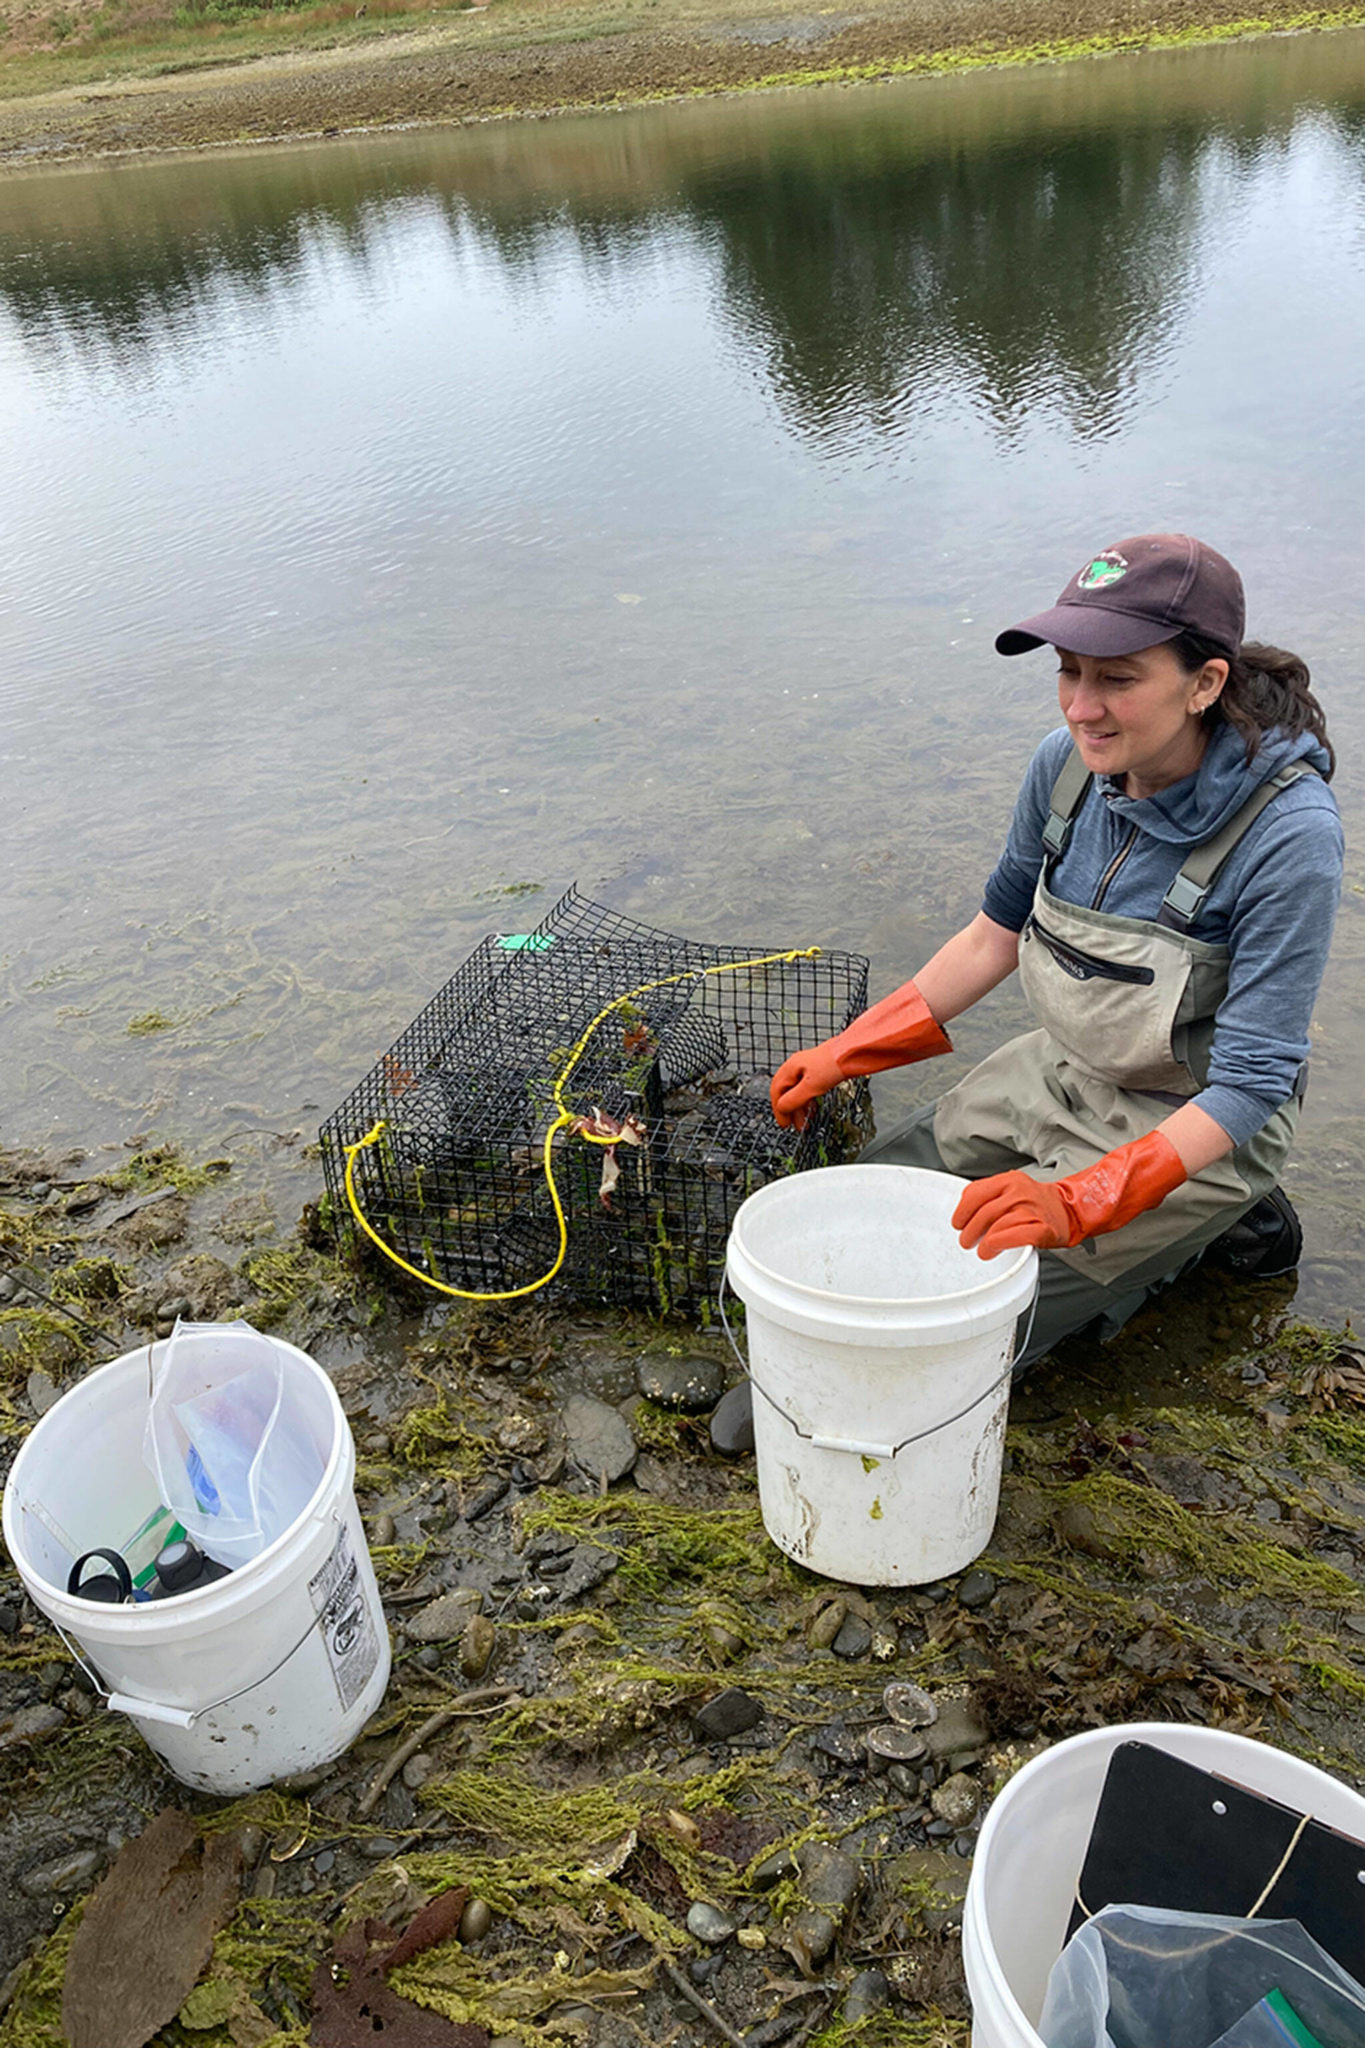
(94, 77)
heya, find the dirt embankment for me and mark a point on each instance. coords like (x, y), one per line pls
(292, 79)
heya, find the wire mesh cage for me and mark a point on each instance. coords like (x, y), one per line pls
(593, 1023)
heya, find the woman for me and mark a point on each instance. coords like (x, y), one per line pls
(1167, 892)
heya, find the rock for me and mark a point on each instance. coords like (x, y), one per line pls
(378, 1848)
(730, 1713)
(63, 1874)
(51, 1678)
(475, 1921)
(202, 1287)
(854, 1639)
(702, 1969)
(250, 1843)
(578, 2022)
(429, 1657)
(706, 1923)
(9, 1286)
(867, 1994)
(589, 1565)
(959, 1733)
(732, 1423)
(9, 1620)
(30, 1724)
(418, 1770)
(598, 1438)
(446, 1617)
(690, 1386)
(827, 1624)
(828, 1876)
(976, 1590)
(377, 1444)
(42, 1394)
(773, 1869)
(836, 1741)
(486, 1498)
(939, 1830)
(383, 1531)
(957, 1800)
(829, 1881)
(324, 1860)
(885, 1645)
(162, 1219)
(726, 1644)
(1077, 1527)
(302, 1782)
(476, 1645)
(751, 1938)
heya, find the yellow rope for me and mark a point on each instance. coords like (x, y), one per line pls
(565, 1117)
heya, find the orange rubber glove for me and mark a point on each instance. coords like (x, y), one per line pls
(895, 1032)
(1014, 1208)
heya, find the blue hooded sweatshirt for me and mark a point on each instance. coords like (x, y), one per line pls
(1272, 906)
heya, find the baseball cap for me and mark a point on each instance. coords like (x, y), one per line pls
(1136, 595)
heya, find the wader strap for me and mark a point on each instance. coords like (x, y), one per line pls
(1185, 897)
(1069, 792)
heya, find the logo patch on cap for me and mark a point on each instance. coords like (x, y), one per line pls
(1106, 568)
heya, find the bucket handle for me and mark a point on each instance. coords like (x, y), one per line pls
(179, 1717)
(866, 1450)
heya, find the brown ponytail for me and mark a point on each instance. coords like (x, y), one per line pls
(1266, 688)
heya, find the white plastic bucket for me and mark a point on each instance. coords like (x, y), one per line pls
(1028, 1860)
(879, 1352)
(271, 1670)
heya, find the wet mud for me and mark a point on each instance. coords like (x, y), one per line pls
(659, 1758)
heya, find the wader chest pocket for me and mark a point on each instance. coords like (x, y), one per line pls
(1088, 966)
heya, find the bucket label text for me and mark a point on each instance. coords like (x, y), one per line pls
(347, 1624)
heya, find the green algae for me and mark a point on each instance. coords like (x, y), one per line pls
(1063, 49)
(149, 1022)
(1230, 1549)
(662, 1547)
(287, 1278)
(34, 2019)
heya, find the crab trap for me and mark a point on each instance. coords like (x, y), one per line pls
(588, 1104)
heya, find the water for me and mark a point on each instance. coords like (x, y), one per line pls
(397, 530)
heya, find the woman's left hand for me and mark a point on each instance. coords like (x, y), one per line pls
(1013, 1208)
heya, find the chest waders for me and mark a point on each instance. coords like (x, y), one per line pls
(1126, 1007)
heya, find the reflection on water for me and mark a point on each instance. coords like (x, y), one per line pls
(633, 499)
(870, 262)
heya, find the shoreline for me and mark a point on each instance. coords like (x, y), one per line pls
(522, 59)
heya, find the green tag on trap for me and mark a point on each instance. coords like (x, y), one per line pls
(525, 942)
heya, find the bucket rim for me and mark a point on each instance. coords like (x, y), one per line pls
(992, 1280)
(205, 1603)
